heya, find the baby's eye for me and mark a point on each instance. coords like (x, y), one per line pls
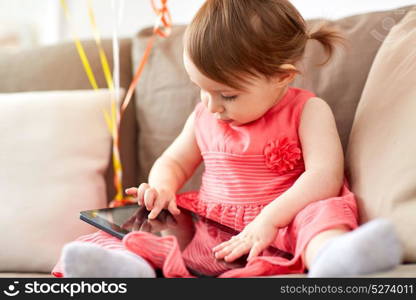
(228, 98)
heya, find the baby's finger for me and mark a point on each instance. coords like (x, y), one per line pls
(219, 247)
(226, 251)
(255, 251)
(131, 191)
(157, 208)
(223, 245)
(238, 251)
(140, 193)
(228, 248)
(173, 208)
(150, 195)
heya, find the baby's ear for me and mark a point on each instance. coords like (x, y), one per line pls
(287, 77)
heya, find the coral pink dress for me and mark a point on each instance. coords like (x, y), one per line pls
(246, 167)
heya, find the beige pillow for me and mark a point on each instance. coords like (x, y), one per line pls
(382, 146)
(60, 68)
(54, 151)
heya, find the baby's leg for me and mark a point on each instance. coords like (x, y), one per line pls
(319, 242)
(372, 247)
(83, 259)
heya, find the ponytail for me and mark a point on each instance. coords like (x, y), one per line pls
(328, 37)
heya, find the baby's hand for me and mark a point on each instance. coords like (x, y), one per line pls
(255, 237)
(154, 200)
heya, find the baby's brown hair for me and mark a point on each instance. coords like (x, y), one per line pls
(230, 40)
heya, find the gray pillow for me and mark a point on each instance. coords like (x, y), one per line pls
(164, 99)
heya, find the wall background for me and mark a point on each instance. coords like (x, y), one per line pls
(26, 23)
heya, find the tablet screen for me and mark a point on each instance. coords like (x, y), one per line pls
(196, 235)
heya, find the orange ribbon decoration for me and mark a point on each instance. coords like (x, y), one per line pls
(162, 28)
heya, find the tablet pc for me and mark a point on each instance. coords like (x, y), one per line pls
(196, 235)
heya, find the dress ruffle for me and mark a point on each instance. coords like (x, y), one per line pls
(284, 257)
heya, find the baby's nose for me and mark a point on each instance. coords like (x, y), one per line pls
(215, 107)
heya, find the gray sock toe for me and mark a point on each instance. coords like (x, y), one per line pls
(373, 247)
(89, 260)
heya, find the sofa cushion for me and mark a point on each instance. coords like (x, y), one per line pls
(165, 96)
(59, 67)
(55, 149)
(341, 81)
(164, 99)
(382, 146)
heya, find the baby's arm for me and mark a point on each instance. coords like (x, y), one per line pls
(170, 171)
(323, 178)
(324, 164)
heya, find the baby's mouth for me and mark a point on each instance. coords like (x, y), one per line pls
(226, 120)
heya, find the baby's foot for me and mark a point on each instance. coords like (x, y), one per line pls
(82, 259)
(371, 248)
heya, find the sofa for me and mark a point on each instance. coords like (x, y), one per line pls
(56, 152)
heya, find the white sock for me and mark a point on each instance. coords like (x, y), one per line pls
(83, 259)
(372, 247)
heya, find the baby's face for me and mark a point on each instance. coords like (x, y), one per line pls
(236, 106)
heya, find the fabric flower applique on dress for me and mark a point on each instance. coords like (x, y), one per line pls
(282, 155)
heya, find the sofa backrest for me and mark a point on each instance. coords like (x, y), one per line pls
(59, 67)
(165, 97)
(341, 81)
